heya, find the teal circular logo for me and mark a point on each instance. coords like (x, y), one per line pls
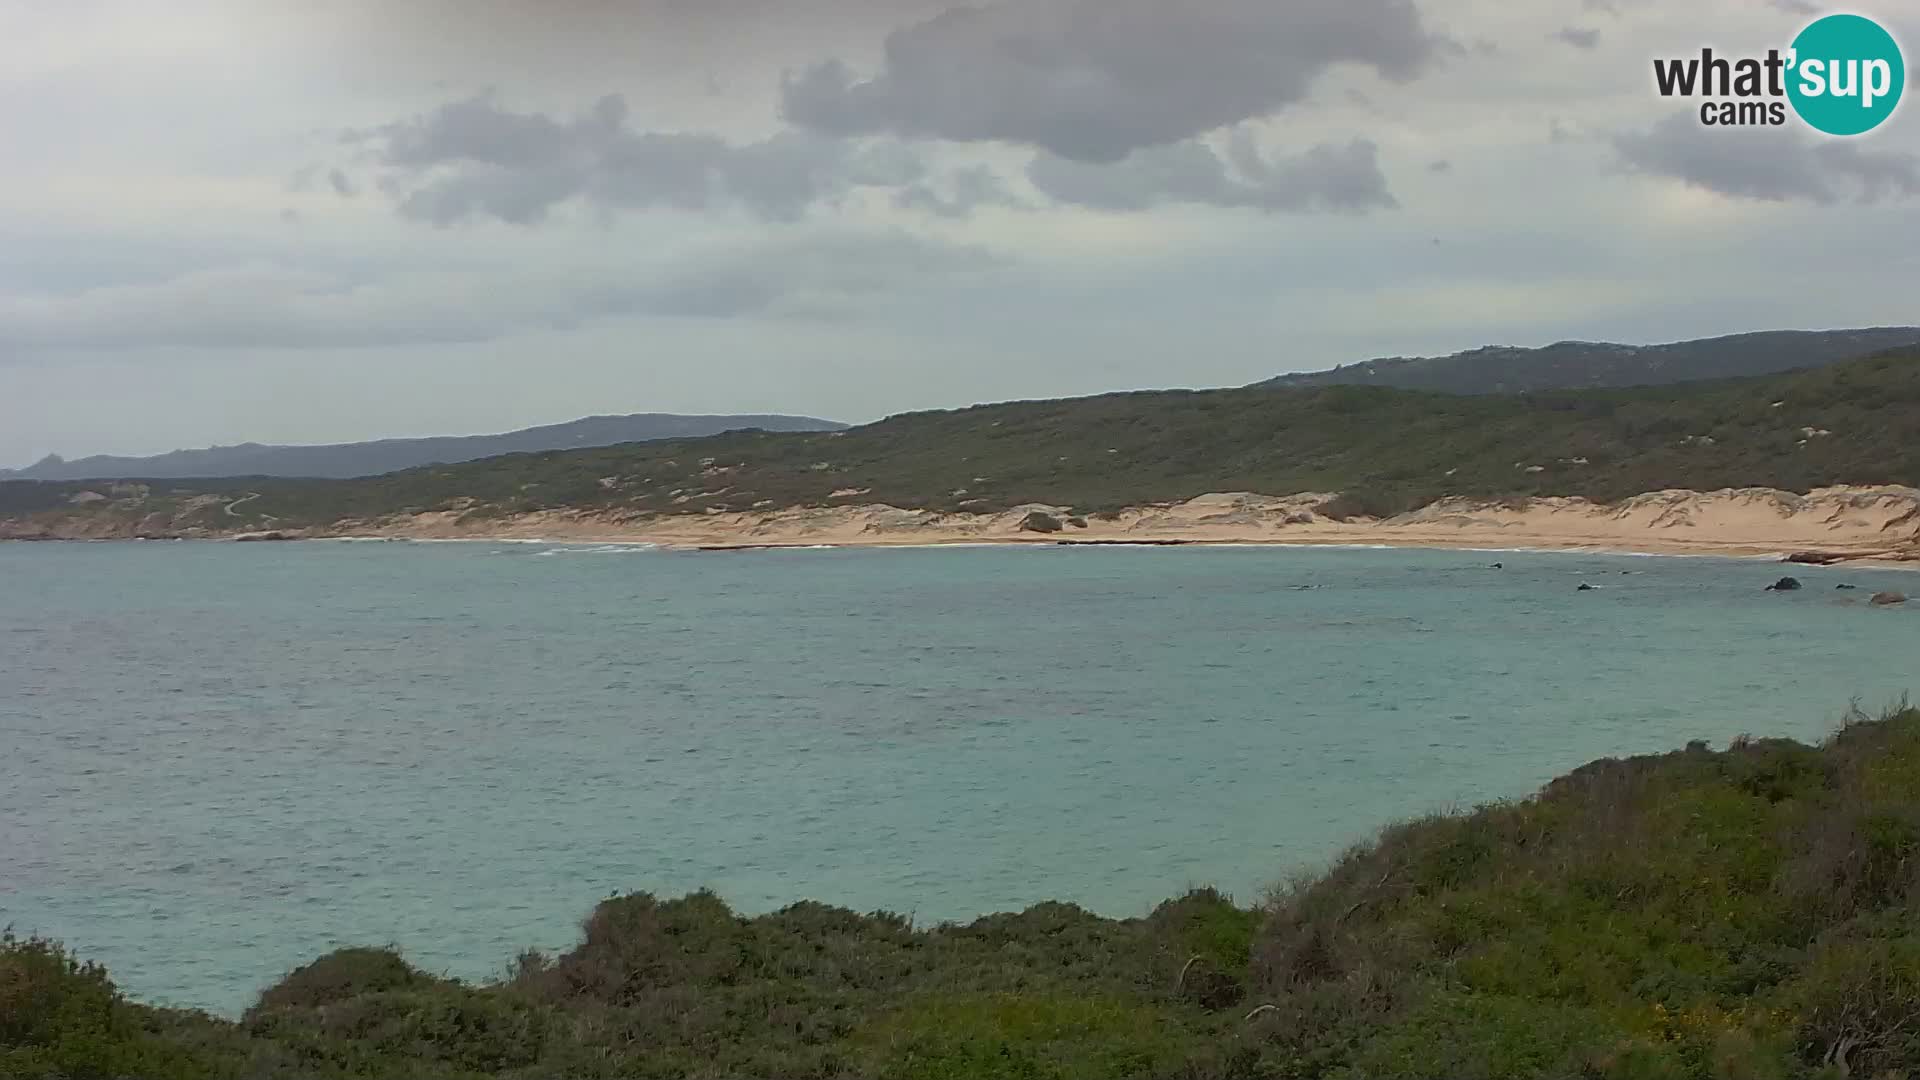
(1846, 74)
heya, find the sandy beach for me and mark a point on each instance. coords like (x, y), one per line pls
(1880, 524)
(1844, 523)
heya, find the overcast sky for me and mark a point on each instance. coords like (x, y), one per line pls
(325, 220)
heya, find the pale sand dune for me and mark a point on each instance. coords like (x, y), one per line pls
(1854, 522)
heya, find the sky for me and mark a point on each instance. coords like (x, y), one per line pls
(304, 221)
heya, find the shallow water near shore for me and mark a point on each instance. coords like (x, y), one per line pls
(218, 761)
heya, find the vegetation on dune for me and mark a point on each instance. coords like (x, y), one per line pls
(1387, 450)
(1569, 365)
(1747, 913)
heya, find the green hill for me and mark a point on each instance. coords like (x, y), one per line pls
(1587, 365)
(1389, 450)
(387, 455)
(1753, 912)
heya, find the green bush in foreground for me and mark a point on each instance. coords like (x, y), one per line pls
(1738, 915)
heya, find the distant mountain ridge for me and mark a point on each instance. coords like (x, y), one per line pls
(346, 460)
(1592, 365)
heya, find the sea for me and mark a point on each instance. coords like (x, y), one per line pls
(218, 760)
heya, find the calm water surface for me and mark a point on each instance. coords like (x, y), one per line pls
(218, 760)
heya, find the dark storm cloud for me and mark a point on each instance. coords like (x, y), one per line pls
(1577, 37)
(1768, 164)
(1092, 80)
(475, 158)
(1326, 177)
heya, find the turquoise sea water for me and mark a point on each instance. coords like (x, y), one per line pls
(219, 760)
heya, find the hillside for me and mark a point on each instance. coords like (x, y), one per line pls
(1386, 450)
(1586, 365)
(1753, 912)
(342, 460)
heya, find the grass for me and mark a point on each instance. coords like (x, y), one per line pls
(1383, 450)
(1741, 914)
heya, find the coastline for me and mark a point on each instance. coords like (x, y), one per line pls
(1854, 524)
(1846, 524)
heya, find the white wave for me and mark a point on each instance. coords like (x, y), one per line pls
(598, 549)
(477, 540)
(954, 544)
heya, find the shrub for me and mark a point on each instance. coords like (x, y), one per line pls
(341, 975)
(1856, 1000)
(63, 1018)
(1027, 1036)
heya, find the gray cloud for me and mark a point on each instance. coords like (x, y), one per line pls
(1578, 37)
(342, 186)
(698, 43)
(1796, 7)
(1092, 80)
(1326, 177)
(267, 305)
(474, 158)
(967, 189)
(1768, 164)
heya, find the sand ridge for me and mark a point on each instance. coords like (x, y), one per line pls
(1845, 522)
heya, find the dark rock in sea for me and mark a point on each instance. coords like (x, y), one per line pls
(1844, 585)
(1497, 566)
(1041, 522)
(1584, 587)
(1785, 584)
(1814, 558)
(1888, 599)
(263, 536)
